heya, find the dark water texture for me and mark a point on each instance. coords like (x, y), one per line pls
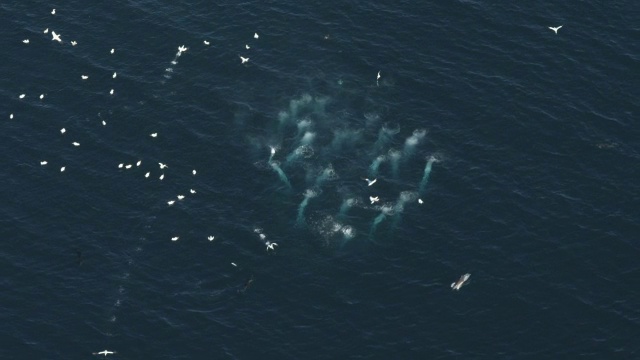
(534, 191)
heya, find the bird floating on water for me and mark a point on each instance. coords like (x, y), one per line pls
(180, 197)
(154, 135)
(128, 166)
(84, 77)
(161, 177)
(10, 116)
(255, 35)
(175, 238)
(56, 37)
(41, 96)
(373, 199)
(26, 41)
(63, 130)
(171, 202)
(247, 47)
(62, 169)
(244, 59)
(46, 30)
(120, 166)
(210, 237)
(103, 352)
(194, 171)
(75, 143)
(22, 96)
(111, 92)
(420, 201)
(43, 163)
(104, 123)
(555, 29)
(192, 191)
(206, 42)
(114, 74)
(458, 284)
(139, 162)
(113, 50)
(370, 182)
(147, 174)
(53, 12)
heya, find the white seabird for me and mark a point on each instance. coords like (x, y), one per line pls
(180, 197)
(74, 43)
(161, 177)
(247, 47)
(206, 42)
(103, 352)
(255, 35)
(162, 166)
(56, 37)
(378, 77)
(555, 29)
(270, 245)
(53, 12)
(370, 182)
(210, 237)
(420, 201)
(182, 49)
(10, 116)
(22, 96)
(128, 166)
(175, 238)
(120, 166)
(458, 284)
(75, 143)
(194, 171)
(147, 174)
(111, 92)
(46, 30)
(192, 191)
(170, 202)
(62, 169)
(104, 123)
(154, 135)
(63, 130)
(43, 162)
(112, 51)
(373, 199)
(114, 74)
(26, 41)
(139, 162)
(41, 96)
(244, 60)
(84, 77)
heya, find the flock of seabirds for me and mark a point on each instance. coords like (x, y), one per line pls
(270, 246)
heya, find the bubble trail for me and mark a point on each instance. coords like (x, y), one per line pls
(327, 174)
(377, 221)
(375, 165)
(346, 205)
(385, 135)
(395, 156)
(425, 176)
(308, 195)
(281, 174)
(413, 141)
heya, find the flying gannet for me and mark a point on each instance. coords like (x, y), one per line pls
(103, 352)
(182, 49)
(74, 43)
(370, 182)
(555, 29)
(56, 37)
(244, 59)
(374, 199)
(162, 166)
(270, 245)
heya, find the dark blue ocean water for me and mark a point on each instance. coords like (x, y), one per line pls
(532, 187)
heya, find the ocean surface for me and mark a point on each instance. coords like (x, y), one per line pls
(500, 148)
